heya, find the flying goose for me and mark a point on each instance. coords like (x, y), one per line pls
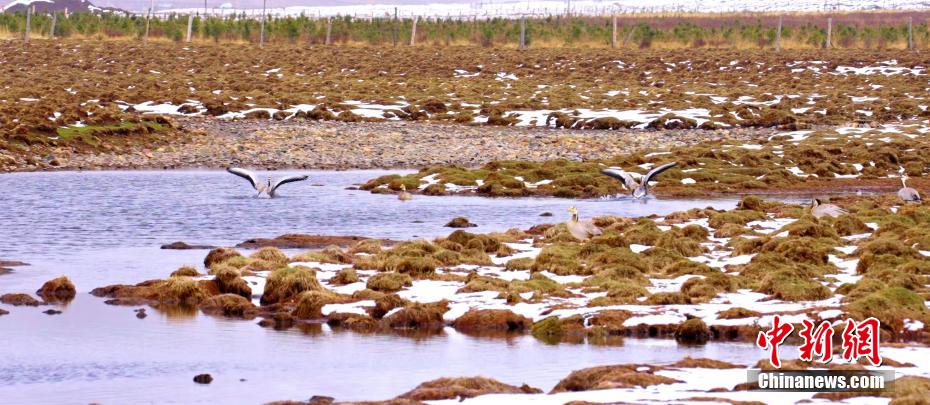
(640, 189)
(820, 210)
(581, 230)
(906, 193)
(267, 188)
(404, 195)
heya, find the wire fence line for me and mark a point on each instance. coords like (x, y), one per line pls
(763, 30)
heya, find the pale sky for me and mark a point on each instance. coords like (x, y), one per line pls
(161, 4)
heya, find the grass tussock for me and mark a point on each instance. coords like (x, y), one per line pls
(693, 331)
(611, 377)
(418, 316)
(59, 289)
(344, 277)
(271, 255)
(286, 283)
(229, 305)
(491, 320)
(310, 303)
(220, 255)
(463, 387)
(185, 271)
(891, 306)
(389, 282)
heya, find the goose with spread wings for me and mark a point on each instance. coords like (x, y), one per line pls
(269, 187)
(640, 188)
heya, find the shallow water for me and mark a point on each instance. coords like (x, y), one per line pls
(106, 227)
(102, 228)
(96, 352)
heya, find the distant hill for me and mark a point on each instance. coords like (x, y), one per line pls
(42, 6)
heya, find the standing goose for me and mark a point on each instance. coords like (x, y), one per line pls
(581, 230)
(404, 195)
(906, 193)
(820, 210)
(640, 189)
(267, 188)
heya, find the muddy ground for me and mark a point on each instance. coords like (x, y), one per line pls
(216, 143)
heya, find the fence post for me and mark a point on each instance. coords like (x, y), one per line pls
(778, 36)
(329, 30)
(413, 32)
(190, 26)
(910, 33)
(613, 32)
(51, 30)
(394, 28)
(829, 43)
(522, 33)
(261, 35)
(28, 23)
(148, 19)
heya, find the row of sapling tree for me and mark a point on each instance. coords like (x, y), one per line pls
(743, 31)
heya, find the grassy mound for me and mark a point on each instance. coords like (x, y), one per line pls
(463, 387)
(310, 303)
(287, 282)
(418, 316)
(229, 305)
(491, 320)
(219, 255)
(693, 331)
(891, 306)
(611, 377)
(229, 281)
(185, 271)
(175, 291)
(389, 282)
(19, 299)
(344, 276)
(57, 290)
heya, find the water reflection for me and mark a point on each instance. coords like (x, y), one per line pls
(104, 228)
(107, 226)
(97, 352)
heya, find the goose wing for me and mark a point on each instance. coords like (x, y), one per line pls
(245, 174)
(286, 180)
(628, 181)
(590, 228)
(655, 172)
(830, 210)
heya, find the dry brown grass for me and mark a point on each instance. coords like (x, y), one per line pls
(610, 377)
(491, 320)
(463, 387)
(57, 290)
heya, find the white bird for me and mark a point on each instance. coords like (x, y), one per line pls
(820, 210)
(404, 195)
(640, 189)
(267, 188)
(906, 193)
(581, 230)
